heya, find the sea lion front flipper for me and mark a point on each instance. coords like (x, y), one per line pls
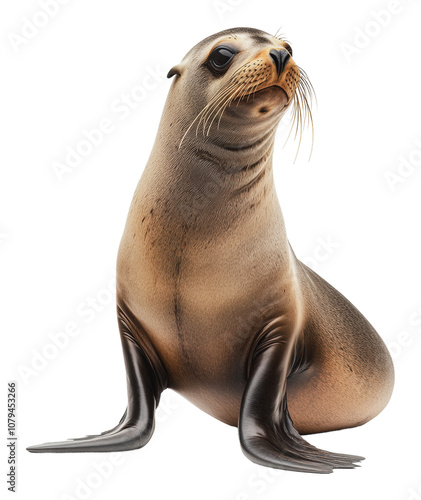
(137, 424)
(110, 431)
(267, 433)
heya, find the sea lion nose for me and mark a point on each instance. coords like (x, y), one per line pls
(280, 58)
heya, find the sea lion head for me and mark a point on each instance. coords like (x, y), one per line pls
(236, 85)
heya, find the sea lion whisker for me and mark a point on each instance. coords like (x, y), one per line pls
(218, 104)
(280, 35)
(231, 84)
(215, 101)
(247, 91)
(253, 90)
(277, 32)
(228, 103)
(218, 99)
(305, 102)
(244, 90)
(241, 91)
(294, 117)
(305, 86)
(297, 117)
(301, 111)
(300, 122)
(198, 116)
(306, 80)
(224, 105)
(305, 95)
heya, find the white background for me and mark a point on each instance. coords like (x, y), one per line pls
(59, 240)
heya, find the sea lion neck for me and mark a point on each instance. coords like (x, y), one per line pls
(200, 160)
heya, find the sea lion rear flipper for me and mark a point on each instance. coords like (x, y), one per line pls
(137, 424)
(267, 433)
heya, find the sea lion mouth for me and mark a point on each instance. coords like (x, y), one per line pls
(274, 94)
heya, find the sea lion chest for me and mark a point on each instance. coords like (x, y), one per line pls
(199, 285)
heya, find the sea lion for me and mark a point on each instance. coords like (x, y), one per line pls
(211, 300)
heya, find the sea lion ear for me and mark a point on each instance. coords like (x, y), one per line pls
(175, 70)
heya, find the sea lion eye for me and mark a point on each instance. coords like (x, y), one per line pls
(288, 48)
(220, 58)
